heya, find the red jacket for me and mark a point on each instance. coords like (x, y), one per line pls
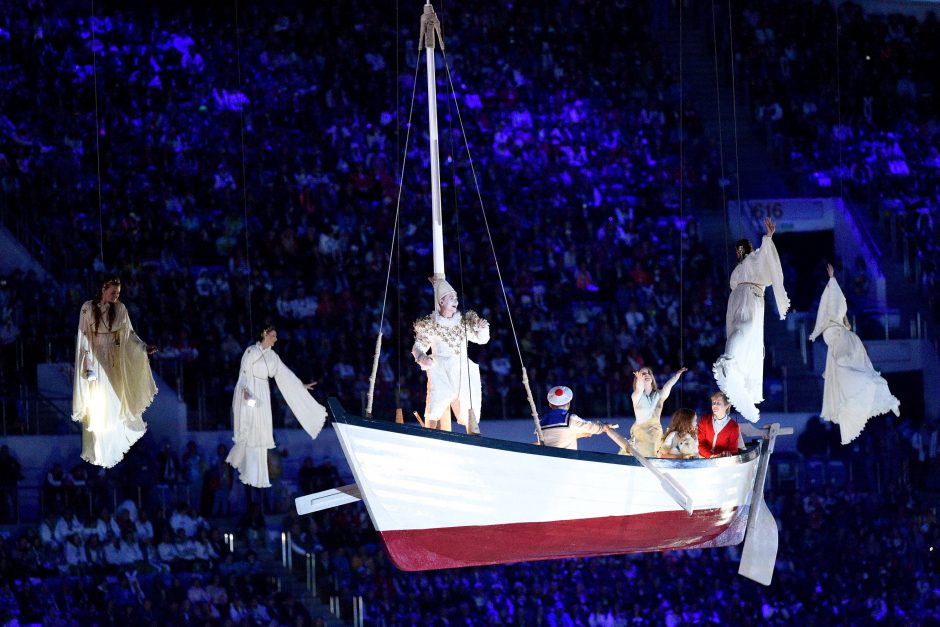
(727, 440)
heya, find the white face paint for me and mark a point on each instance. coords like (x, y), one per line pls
(448, 306)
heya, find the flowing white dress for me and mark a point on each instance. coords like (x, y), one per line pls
(453, 379)
(853, 391)
(111, 404)
(739, 372)
(251, 410)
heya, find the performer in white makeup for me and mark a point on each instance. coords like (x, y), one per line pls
(453, 379)
(853, 390)
(113, 385)
(739, 372)
(251, 409)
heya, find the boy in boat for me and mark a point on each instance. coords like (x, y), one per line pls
(718, 434)
(561, 428)
(453, 379)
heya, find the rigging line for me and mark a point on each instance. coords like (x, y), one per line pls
(94, 66)
(721, 144)
(241, 119)
(489, 234)
(453, 176)
(391, 251)
(734, 108)
(486, 221)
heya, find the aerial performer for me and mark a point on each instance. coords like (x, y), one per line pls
(739, 372)
(648, 399)
(113, 385)
(453, 379)
(251, 408)
(853, 391)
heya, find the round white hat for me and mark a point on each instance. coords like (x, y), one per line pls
(560, 395)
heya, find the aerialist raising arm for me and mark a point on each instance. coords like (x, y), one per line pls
(739, 372)
(853, 390)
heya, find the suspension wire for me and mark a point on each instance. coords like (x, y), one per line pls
(734, 108)
(721, 144)
(397, 251)
(241, 119)
(839, 106)
(681, 204)
(391, 252)
(499, 274)
(94, 66)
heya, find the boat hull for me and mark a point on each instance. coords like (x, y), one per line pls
(445, 500)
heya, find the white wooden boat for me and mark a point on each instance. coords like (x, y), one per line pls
(447, 500)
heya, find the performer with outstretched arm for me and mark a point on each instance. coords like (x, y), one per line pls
(648, 399)
(739, 372)
(853, 391)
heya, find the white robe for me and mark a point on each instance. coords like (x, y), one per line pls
(453, 379)
(253, 426)
(853, 391)
(111, 407)
(739, 372)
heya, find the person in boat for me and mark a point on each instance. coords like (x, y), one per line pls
(718, 434)
(648, 399)
(739, 372)
(112, 384)
(853, 391)
(560, 427)
(681, 440)
(251, 408)
(453, 378)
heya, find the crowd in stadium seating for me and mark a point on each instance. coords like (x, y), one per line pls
(580, 181)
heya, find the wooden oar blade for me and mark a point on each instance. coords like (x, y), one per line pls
(319, 501)
(675, 490)
(760, 547)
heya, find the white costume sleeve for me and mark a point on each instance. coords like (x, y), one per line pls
(475, 333)
(309, 413)
(422, 340)
(770, 272)
(832, 309)
(242, 392)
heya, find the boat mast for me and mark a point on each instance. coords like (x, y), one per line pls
(430, 27)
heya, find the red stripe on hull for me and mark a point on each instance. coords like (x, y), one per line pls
(454, 547)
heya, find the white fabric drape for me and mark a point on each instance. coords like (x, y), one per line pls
(111, 406)
(251, 411)
(739, 372)
(853, 391)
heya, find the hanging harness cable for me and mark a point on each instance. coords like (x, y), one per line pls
(489, 234)
(734, 108)
(391, 252)
(721, 144)
(241, 119)
(94, 66)
(841, 138)
(397, 251)
(681, 207)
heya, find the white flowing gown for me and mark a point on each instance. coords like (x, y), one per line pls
(853, 391)
(110, 405)
(251, 410)
(453, 379)
(739, 372)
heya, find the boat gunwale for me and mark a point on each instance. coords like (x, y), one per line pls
(751, 451)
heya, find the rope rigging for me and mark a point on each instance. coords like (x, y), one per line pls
(241, 120)
(94, 65)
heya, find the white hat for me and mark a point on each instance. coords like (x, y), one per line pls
(441, 289)
(560, 395)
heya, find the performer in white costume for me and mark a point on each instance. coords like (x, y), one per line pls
(648, 399)
(453, 379)
(251, 409)
(853, 390)
(113, 384)
(740, 371)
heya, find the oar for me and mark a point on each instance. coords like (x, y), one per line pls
(672, 487)
(760, 545)
(326, 499)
